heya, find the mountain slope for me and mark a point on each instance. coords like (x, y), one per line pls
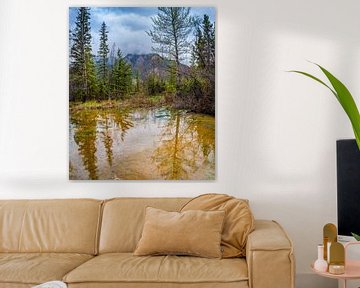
(146, 64)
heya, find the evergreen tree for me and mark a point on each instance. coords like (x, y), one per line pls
(92, 82)
(154, 84)
(137, 79)
(80, 54)
(112, 61)
(170, 30)
(202, 83)
(121, 76)
(103, 53)
(204, 47)
(171, 81)
(112, 57)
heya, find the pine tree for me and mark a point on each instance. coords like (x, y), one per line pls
(112, 57)
(103, 53)
(137, 79)
(171, 82)
(121, 76)
(170, 30)
(91, 78)
(154, 84)
(204, 47)
(203, 71)
(80, 54)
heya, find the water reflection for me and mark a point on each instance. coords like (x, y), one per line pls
(85, 138)
(186, 143)
(141, 144)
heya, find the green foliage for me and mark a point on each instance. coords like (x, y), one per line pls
(356, 236)
(344, 97)
(103, 53)
(80, 54)
(137, 81)
(90, 76)
(121, 78)
(154, 84)
(204, 47)
(197, 91)
(170, 85)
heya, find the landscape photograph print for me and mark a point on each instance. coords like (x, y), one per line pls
(142, 93)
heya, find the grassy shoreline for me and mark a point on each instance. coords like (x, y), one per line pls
(136, 101)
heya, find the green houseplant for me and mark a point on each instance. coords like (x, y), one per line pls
(344, 97)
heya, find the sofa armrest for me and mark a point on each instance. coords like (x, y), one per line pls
(269, 256)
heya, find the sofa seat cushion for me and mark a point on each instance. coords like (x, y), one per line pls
(36, 268)
(125, 267)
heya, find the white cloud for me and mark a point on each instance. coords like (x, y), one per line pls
(127, 31)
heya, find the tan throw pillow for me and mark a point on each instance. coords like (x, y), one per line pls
(196, 233)
(239, 220)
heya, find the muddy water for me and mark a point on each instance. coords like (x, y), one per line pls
(141, 144)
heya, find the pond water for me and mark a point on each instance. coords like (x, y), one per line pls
(141, 144)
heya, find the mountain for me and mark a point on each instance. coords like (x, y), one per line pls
(151, 63)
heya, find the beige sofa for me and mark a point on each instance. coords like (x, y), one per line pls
(89, 243)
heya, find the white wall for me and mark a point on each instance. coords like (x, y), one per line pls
(276, 131)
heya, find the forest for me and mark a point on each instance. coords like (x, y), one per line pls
(181, 73)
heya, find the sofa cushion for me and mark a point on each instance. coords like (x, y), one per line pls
(36, 268)
(123, 220)
(193, 232)
(239, 220)
(63, 226)
(126, 268)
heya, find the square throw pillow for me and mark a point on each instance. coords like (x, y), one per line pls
(238, 223)
(193, 232)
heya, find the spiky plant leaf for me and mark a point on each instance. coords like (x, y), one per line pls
(356, 236)
(344, 97)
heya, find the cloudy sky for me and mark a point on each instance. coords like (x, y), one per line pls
(127, 25)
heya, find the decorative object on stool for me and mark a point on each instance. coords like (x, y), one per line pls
(340, 266)
(329, 237)
(320, 264)
(337, 258)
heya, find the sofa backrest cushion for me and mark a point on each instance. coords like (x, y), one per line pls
(123, 220)
(239, 220)
(66, 226)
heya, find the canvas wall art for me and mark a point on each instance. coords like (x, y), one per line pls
(142, 93)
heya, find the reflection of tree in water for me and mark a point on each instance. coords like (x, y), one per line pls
(122, 119)
(107, 139)
(90, 122)
(110, 120)
(204, 128)
(85, 138)
(187, 143)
